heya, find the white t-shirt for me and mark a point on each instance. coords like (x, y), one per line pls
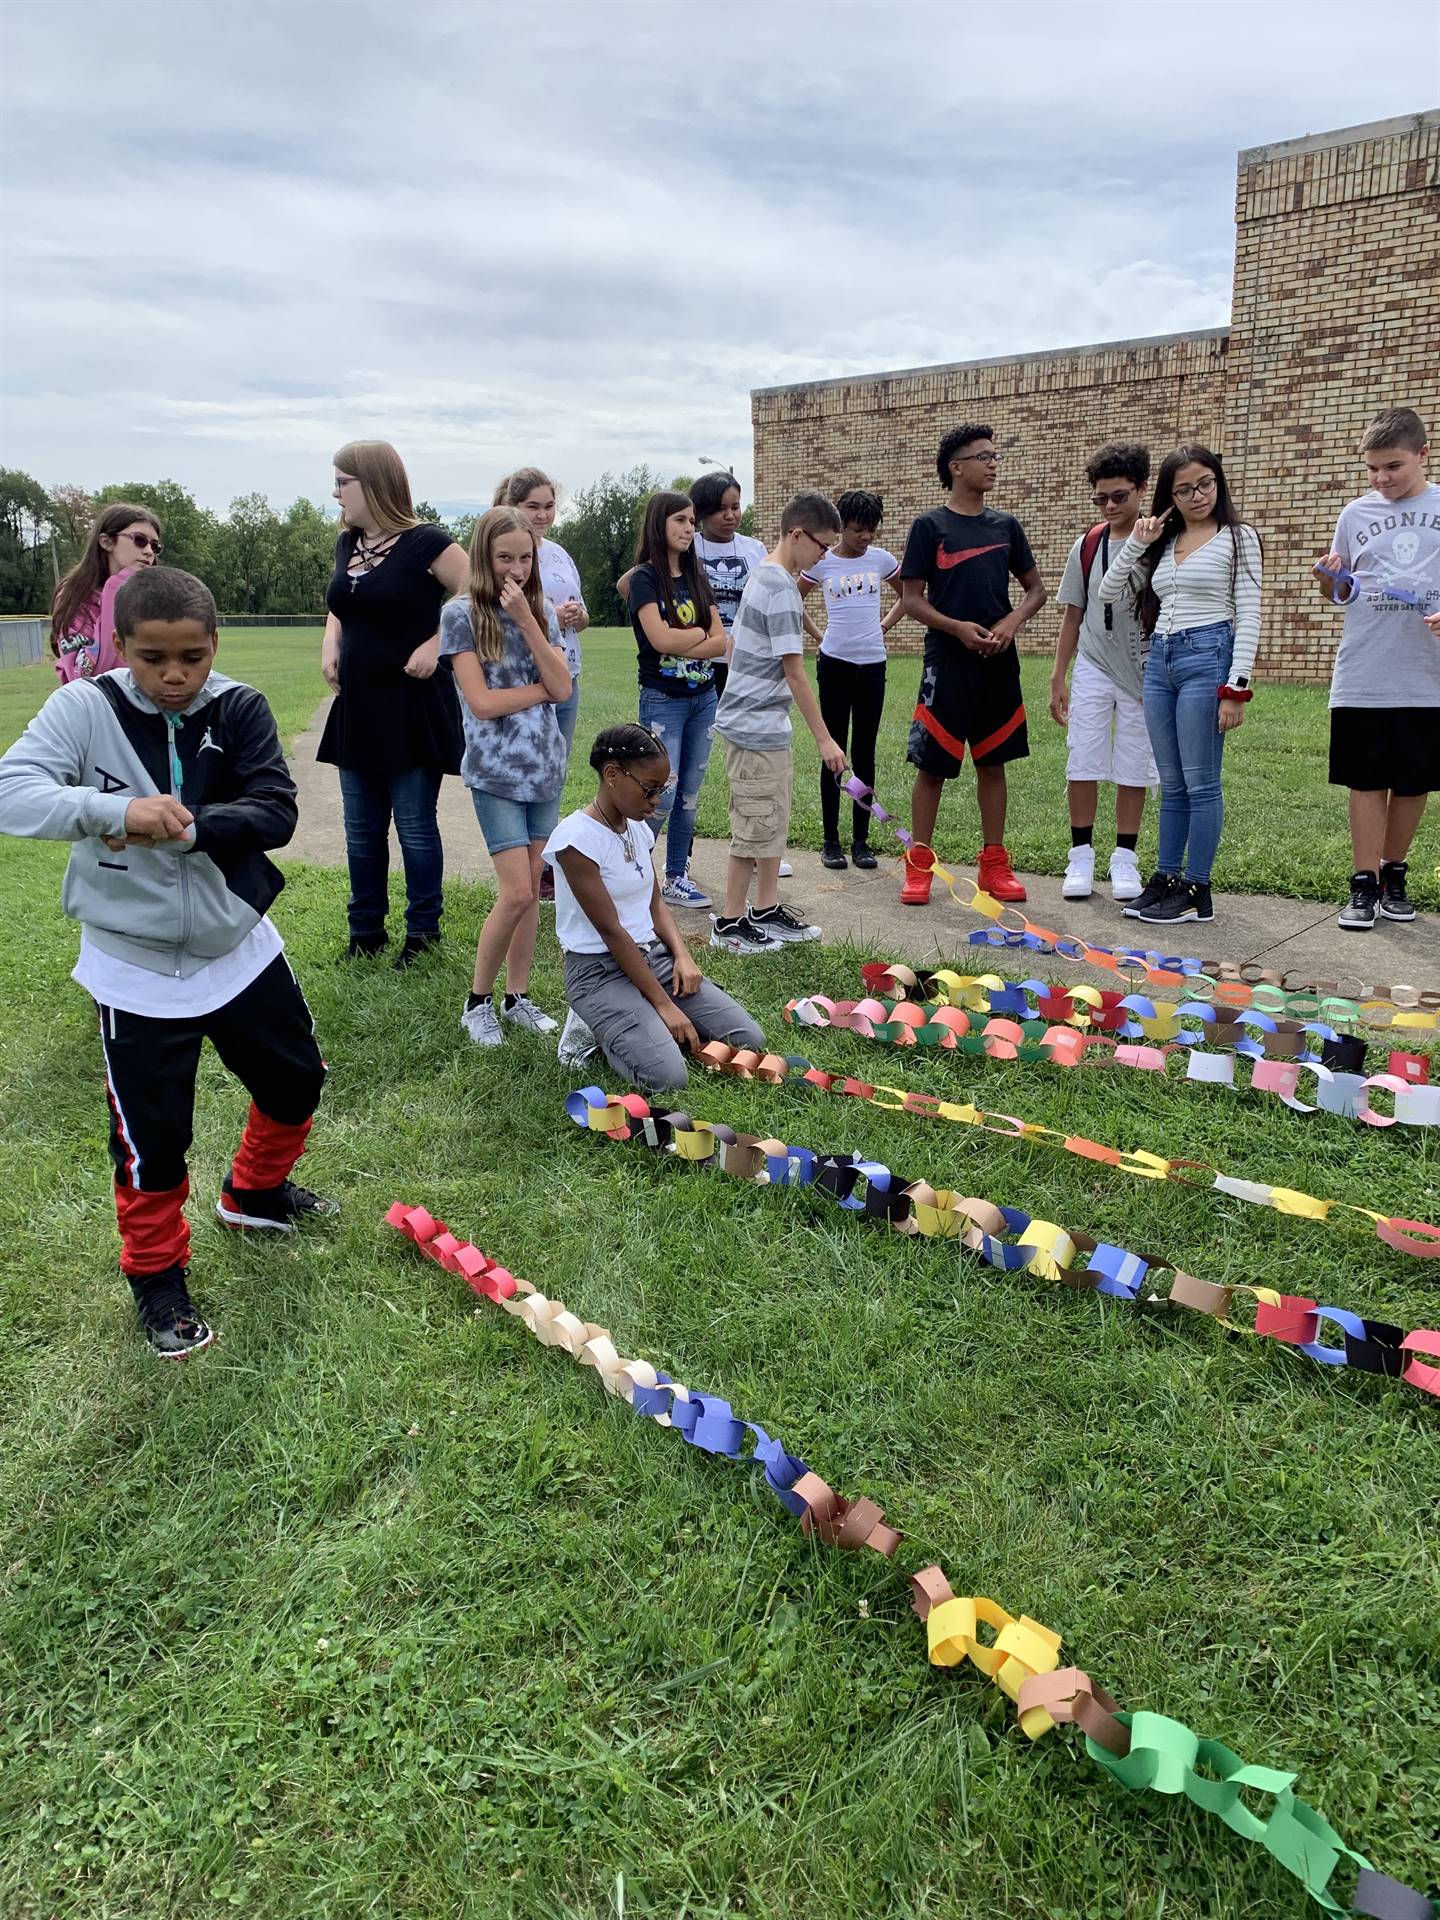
(629, 880)
(728, 565)
(852, 603)
(162, 996)
(1388, 657)
(560, 578)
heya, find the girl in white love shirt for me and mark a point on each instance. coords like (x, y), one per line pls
(1194, 568)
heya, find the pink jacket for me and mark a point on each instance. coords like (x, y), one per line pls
(90, 649)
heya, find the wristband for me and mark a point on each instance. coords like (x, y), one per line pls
(1236, 693)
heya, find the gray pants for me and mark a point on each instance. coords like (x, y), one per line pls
(634, 1038)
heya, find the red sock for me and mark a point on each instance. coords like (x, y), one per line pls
(268, 1150)
(154, 1233)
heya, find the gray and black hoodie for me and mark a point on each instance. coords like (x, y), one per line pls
(95, 746)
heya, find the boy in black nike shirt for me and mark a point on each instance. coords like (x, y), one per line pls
(955, 580)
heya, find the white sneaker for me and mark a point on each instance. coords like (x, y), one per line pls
(526, 1014)
(781, 924)
(1125, 881)
(683, 892)
(741, 936)
(787, 872)
(483, 1025)
(1079, 882)
(577, 1042)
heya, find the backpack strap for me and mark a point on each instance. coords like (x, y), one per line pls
(1089, 547)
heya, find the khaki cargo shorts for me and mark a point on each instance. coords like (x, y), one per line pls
(759, 801)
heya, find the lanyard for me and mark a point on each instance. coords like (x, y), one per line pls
(172, 731)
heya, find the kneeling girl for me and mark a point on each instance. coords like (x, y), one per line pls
(629, 977)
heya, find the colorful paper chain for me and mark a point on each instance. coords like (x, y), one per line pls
(1173, 970)
(1134, 1016)
(1140, 1750)
(947, 1028)
(1414, 1237)
(1012, 1241)
(1343, 577)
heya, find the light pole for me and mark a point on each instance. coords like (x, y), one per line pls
(724, 465)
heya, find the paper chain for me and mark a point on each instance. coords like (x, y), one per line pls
(1277, 1056)
(1140, 1750)
(1399, 1007)
(1414, 1237)
(1009, 1240)
(1134, 1016)
(1343, 577)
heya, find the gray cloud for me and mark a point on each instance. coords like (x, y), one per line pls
(236, 238)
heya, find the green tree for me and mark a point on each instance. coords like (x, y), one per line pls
(462, 526)
(246, 556)
(72, 515)
(599, 530)
(683, 482)
(26, 570)
(305, 560)
(189, 528)
(424, 511)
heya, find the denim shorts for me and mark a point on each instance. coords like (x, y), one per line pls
(507, 824)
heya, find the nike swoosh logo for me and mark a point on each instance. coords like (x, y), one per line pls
(946, 560)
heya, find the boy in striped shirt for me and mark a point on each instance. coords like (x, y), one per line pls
(767, 675)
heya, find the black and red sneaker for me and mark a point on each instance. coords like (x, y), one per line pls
(172, 1327)
(270, 1209)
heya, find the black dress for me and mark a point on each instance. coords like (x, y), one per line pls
(383, 720)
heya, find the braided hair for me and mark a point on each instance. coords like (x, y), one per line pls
(627, 741)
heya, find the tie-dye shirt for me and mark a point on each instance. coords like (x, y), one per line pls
(517, 756)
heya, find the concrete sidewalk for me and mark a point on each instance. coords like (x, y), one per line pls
(863, 909)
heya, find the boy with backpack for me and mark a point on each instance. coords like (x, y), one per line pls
(169, 782)
(1103, 710)
(1383, 567)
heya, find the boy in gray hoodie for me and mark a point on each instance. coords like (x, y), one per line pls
(169, 780)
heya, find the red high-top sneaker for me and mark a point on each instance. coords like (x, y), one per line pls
(997, 876)
(915, 891)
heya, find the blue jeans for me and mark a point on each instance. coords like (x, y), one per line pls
(567, 713)
(369, 801)
(686, 724)
(1182, 677)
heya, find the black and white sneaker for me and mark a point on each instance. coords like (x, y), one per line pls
(1395, 903)
(173, 1329)
(1157, 887)
(781, 924)
(1358, 916)
(1186, 900)
(862, 856)
(741, 935)
(275, 1209)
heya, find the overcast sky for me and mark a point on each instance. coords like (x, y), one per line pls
(239, 235)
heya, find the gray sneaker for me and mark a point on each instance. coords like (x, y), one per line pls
(482, 1023)
(524, 1013)
(578, 1044)
(781, 924)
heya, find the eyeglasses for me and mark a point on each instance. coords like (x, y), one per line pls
(1207, 485)
(1116, 499)
(991, 459)
(824, 545)
(145, 541)
(345, 480)
(652, 789)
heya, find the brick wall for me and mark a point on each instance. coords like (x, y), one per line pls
(1336, 313)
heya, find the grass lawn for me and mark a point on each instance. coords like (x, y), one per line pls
(382, 1609)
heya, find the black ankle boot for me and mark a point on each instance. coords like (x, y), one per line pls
(862, 856)
(415, 945)
(363, 945)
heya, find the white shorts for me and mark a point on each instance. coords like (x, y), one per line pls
(1096, 701)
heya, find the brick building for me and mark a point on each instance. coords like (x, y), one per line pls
(1335, 314)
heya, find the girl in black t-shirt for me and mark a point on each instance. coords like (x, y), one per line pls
(678, 638)
(393, 729)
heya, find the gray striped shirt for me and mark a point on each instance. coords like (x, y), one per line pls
(754, 709)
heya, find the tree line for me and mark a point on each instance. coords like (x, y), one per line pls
(256, 560)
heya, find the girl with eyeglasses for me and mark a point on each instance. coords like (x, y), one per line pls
(82, 613)
(1193, 566)
(634, 990)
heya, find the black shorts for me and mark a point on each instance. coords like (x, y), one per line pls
(1385, 749)
(968, 699)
